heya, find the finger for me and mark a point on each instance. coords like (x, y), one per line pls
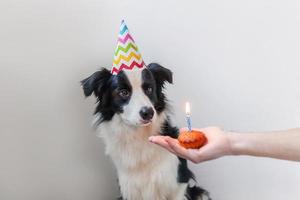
(193, 155)
(179, 150)
(161, 141)
(202, 154)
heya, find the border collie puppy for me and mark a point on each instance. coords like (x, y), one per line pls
(131, 106)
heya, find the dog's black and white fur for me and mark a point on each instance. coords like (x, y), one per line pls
(131, 107)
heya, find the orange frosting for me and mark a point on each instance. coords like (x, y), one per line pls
(192, 140)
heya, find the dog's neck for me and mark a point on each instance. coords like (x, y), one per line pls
(128, 146)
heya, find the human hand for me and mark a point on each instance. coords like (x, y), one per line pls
(217, 145)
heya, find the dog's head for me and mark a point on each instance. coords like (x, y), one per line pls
(137, 96)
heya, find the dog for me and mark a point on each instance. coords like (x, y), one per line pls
(131, 106)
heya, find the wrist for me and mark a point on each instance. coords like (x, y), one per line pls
(235, 143)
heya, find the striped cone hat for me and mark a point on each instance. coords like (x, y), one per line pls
(127, 55)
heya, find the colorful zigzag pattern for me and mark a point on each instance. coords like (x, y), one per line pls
(126, 54)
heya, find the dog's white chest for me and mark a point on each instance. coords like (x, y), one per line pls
(152, 179)
(145, 171)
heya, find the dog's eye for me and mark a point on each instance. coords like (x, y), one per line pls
(148, 90)
(124, 93)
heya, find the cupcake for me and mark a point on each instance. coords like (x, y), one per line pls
(192, 139)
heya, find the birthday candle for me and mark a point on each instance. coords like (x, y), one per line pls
(188, 116)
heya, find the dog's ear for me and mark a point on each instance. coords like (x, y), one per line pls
(96, 83)
(161, 74)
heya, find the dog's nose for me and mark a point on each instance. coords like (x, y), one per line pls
(146, 113)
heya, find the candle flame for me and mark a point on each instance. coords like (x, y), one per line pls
(187, 108)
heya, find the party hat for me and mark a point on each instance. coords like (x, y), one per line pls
(127, 55)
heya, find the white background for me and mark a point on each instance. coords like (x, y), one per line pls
(237, 62)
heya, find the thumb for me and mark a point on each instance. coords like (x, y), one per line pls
(194, 155)
(205, 153)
